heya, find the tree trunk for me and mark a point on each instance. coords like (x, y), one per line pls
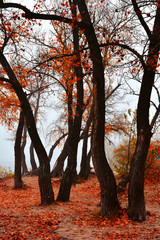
(136, 202)
(24, 140)
(47, 195)
(136, 209)
(109, 201)
(123, 183)
(32, 158)
(55, 145)
(85, 166)
(24, 165)
(74, 124)
(85, 162)
(17, 171)
(69, 174)
(59, 164)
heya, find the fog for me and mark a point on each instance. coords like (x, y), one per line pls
(6, 149)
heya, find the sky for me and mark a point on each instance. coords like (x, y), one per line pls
(6, 149)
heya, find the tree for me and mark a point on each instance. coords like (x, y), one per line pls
(23, 144)
(74, 124)
(136, 208)
(18, 154)
(145, 65)
(109, 201)
(47, 195)
(85, 161)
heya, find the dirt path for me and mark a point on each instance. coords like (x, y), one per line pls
(21, 217)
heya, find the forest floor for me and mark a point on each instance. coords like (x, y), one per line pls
(22, 217)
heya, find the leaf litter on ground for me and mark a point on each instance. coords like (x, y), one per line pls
(22, 217)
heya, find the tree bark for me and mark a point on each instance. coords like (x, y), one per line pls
(32, 158)
(59, 164)
(85, 167)
(74, 124)
(85, 162)
(136, 201)
(17, 170)
(109, 201)
(123, 183)
(47, 195)
(24, 165)
(55, 145)
(24, 140)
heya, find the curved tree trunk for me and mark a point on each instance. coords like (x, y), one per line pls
(85, 167)
(17, 170)
(85, 162)
(136, 202)
(24, 165)
(69, 174)
(59, 164)
(136, 208)
(32, 158)
(109, 201)
(74, 124)
(123, 183)
(55, 145)
(24, 140)
(47, 195)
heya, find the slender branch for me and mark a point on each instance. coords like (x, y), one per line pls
(110, 93)
(155, 117)
(31, 15)
(158, 93)
(55, 145)
(154, 105)
(140, 17)
(124, 46)
(3, 79)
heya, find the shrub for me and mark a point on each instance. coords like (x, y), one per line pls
(123, 155)
(5, 172)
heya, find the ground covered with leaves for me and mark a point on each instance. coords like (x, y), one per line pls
(22, 217)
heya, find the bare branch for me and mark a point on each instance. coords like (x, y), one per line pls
(124, 46)
(155, 117)
(141, 19)
(32, 15)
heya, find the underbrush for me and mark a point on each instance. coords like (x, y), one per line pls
(6, 172)
(153, 175)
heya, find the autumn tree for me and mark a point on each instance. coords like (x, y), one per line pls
(109, 201)
(146, 17)
(47, 195)
(136, 208)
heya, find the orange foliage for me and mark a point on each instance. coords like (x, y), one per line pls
(9, 104)
(124, 153)
(15, 29)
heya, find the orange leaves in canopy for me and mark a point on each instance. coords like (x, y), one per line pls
(9, 105)
(116, 125)
(15, 30)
